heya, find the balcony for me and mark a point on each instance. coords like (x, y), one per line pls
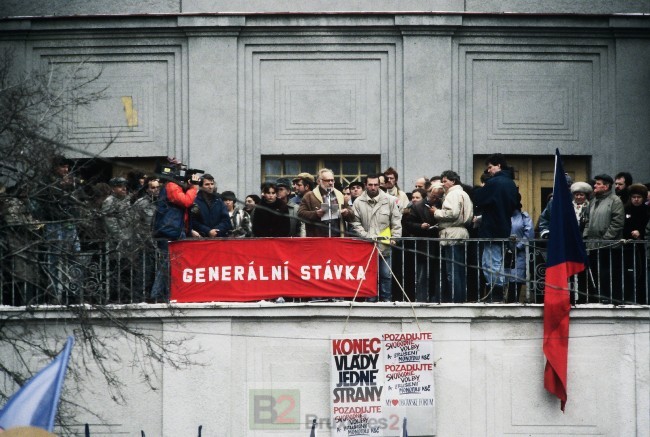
(103, 272)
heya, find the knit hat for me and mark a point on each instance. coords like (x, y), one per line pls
(582, 187)
(639, 189)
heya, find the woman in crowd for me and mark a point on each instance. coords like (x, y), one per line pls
(271, 217)
(581, 193)
(251, 201)
(417, 222)
(637, 214)
(239, 218)
(521, 232)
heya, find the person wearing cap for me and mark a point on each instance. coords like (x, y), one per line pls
(581, 192)
(144, 209)
(209, 214)
(116, 212)
(356, 190)
(302, 184)
(324, 209)
(606, 221)
(283, 186)
(118, 223)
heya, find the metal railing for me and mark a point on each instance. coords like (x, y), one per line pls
(424, 270)
(617, 272)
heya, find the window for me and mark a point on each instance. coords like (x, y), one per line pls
(346, 170)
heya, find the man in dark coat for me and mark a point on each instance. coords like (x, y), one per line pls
(498, 200)
(210, 216)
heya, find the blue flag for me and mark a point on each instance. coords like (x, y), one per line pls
(36, 402)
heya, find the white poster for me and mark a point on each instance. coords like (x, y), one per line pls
(381, 384)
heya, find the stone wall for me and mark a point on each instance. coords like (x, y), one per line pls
(488, 373)
(220, 87)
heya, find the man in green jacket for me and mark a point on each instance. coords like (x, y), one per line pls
(606, 220)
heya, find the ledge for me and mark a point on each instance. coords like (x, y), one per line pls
(338, 310)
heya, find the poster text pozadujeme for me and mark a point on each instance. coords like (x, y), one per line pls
(377, 381)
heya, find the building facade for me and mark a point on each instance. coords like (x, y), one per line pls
(251, 91)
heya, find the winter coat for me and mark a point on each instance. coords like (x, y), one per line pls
(118, 218)
(456, 212)
(498, 200)
(374, 215)
(310, 203)
(271, 219)
(402, 198)
(636, 219)
(523, 230)
(412, 219)
(212, 214)
(606, 218)
(176, 195)
(241, 223)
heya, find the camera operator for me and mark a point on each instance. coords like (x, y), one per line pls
(171, 220)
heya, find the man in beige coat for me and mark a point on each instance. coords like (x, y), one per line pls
(455, 214)
(376, 214)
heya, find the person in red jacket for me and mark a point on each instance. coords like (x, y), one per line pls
(171, 222)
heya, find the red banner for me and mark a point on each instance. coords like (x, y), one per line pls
(257, 269)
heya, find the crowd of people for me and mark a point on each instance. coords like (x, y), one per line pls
(137, 213)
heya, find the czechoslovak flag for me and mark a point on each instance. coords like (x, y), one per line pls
(566, 257)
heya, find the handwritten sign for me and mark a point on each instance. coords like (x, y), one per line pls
(378, 381)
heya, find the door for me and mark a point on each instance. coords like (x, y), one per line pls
(534, 177)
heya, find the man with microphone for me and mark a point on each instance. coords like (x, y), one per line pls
(324, 209)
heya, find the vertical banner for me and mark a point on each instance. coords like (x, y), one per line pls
(377, 381)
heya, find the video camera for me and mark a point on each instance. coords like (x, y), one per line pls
(176, 172)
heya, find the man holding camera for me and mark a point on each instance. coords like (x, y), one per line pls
(171, 220)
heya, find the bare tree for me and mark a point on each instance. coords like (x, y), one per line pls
(56, 269)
